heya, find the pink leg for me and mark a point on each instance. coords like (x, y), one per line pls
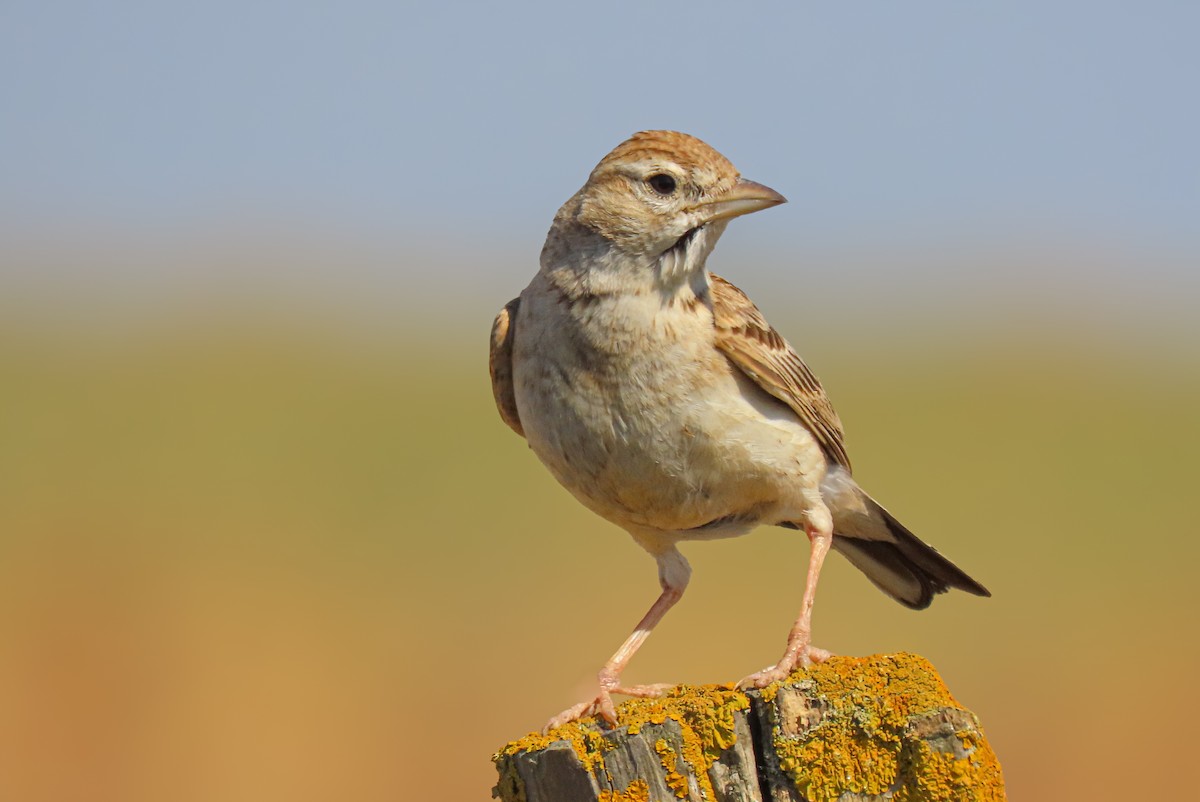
(673, 575)
(799, 647)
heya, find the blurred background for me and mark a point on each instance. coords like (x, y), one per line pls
(262, 533)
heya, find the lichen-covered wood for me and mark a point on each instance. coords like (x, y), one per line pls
(874, 728)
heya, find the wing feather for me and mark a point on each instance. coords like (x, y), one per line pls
(500, 365)
(750, 343)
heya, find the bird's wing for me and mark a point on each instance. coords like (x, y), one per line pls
(500, 365)
(750, 343)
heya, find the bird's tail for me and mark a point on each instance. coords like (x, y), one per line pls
(896, 560)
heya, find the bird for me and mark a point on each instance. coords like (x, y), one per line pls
(658, 394)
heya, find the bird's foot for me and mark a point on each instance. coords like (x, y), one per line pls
(602, 706)
(803, 656)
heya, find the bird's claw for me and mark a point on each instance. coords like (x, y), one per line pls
(602, 706)
(582, 710)
(792, 659)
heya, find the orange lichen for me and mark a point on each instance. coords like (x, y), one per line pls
(881, 725)
(706, 718)
(670, 761)
(939, 775)
(584, 736)
(705, 715)
(859, 741)
(637, 791)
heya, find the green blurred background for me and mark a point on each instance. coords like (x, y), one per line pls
(262, 533)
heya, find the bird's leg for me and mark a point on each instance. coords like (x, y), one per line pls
(610, 676)
(799, 647)
(673, 572)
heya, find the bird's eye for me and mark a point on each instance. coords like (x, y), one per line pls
(661, 183)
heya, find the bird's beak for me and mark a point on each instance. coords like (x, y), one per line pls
(742, 198)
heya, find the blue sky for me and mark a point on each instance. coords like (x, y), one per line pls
(470, 123)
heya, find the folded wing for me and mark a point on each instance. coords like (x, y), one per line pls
(500, 365)
(750, 343)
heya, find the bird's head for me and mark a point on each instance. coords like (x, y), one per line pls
(662, 198)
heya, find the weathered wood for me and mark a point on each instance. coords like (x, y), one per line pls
(849, 729)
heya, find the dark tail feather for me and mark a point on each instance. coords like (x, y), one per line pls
(908, 570)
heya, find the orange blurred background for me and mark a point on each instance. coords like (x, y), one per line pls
(265, 549)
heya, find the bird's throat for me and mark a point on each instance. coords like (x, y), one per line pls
(686, 257)
(683, 242)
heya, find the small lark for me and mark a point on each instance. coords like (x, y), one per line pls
(657, 393)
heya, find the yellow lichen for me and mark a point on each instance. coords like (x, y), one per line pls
(937, 775)
(675, 781)
(859, 743)
(850, 731)
(706, 718)
(637, 791)
(584, 737)
(705, 715)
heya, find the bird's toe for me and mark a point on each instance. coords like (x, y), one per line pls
(801, 658)
(602, 706)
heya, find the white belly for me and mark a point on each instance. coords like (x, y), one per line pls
(647, 424)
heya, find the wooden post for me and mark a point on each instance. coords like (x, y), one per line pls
(873, 728)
